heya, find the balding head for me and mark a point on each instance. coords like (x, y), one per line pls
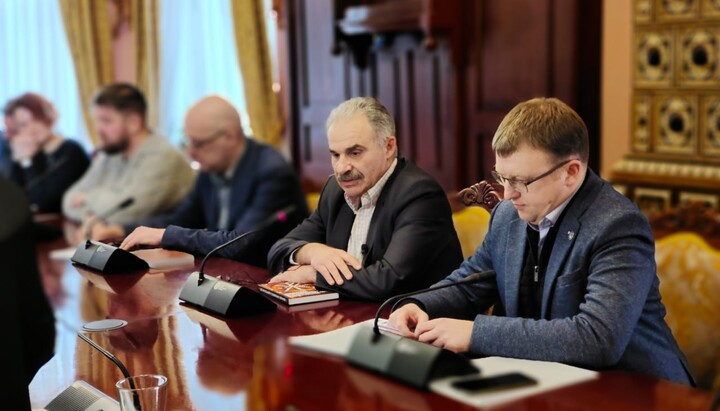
(214, 133)
(210, 114)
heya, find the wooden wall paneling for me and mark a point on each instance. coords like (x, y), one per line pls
(318, 85)
(525, 49)
(588, 66)
(515, 52)
(446, 113)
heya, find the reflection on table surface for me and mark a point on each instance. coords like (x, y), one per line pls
(246, 363)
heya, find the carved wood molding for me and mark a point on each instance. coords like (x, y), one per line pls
(483, 194)
(362, 23)
(694, 217)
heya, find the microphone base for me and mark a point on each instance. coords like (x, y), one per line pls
(407, 361)
(107, 259)
(223, 298)
(82, 396)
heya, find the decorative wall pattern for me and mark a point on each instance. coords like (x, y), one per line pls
(675, 130)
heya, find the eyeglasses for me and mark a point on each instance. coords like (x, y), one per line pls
(195, 144)
(516, 184)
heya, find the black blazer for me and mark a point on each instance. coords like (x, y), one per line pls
(262, 184)
(28, 322)
(411, 241)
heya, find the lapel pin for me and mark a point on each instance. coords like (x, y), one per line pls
(571, 235)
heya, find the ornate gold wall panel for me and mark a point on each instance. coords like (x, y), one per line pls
(676, 117)
(642, 122)
(675, 130)
(654, 59)
(710, 125)
(698, 60)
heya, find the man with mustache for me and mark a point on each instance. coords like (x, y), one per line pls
(132, 163)
(382, 226)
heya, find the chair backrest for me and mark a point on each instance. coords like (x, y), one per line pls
(688, 265)
(312, 201)
(694, 217)
(471, 223)
(482, 194)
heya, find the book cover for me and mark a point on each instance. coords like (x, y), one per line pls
(295, 293)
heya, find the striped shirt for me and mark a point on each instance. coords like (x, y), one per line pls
(363, 214)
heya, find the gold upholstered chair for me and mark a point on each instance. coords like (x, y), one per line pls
(312, 201)
(471, 223)
(688, 261)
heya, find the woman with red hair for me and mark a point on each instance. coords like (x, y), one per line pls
(45, 163)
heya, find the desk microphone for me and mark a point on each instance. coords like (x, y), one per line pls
(103, 257)
(279, 217)
(406, 360)
(112, 211)
(82, 395)
(225, 298)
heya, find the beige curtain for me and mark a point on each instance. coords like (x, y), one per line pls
(90, 38)
(256, 68)
(144, 18)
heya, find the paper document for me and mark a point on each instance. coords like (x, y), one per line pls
(62, 253)
(336, 342)
(550, 375)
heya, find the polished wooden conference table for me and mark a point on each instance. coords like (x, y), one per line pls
(247, 363)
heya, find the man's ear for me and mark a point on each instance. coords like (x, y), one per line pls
(573, 171)
(134, 122)
(391, 146)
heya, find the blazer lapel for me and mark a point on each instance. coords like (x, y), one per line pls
(339, 230)
(567, 232)
(514, 259)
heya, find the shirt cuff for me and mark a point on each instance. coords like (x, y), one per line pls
(291, 259)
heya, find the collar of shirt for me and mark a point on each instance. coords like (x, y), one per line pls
(226, 178)
(371, 196)
(552, 217)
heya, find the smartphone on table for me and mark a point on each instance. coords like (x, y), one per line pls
(495, 382)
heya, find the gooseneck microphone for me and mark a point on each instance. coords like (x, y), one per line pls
(107, 354)
(470, 279)
(108, 213)
(117, 362)
(278, 217)
(407, 360)
(226, 298)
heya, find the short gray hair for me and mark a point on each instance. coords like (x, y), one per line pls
(379, 117)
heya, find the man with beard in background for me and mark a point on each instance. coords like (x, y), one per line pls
(132, 163)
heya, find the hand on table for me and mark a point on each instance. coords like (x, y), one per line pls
(406, 319)
(302, 274)
(143, 236)
(448, 333)
(332, 263)
(101, 231)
